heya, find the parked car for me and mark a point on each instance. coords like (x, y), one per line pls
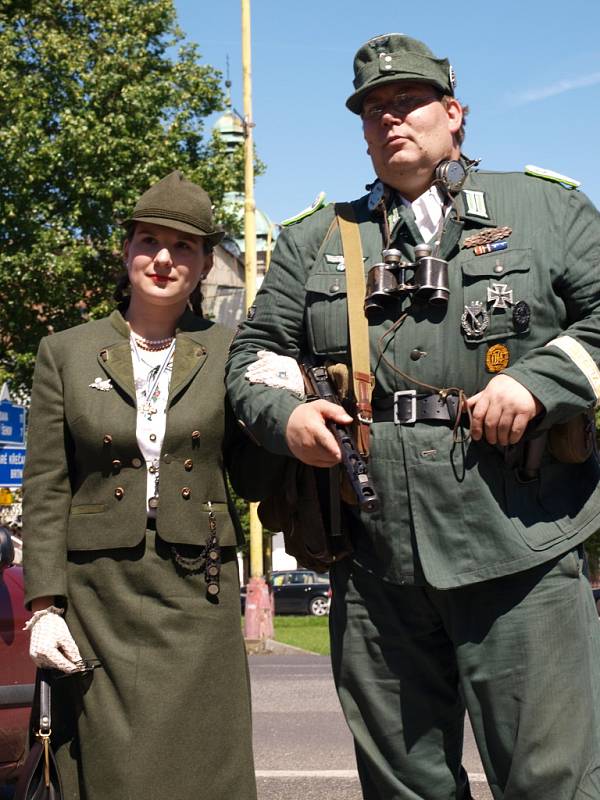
(298, 591)
(17, 672)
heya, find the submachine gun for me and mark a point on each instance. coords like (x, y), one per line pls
(319, 384)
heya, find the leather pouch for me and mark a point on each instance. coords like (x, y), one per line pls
(300, 510)
(574, 441)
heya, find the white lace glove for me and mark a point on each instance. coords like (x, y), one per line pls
(51, 645)
(279, 372)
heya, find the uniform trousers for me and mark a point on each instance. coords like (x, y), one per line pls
(520, 653)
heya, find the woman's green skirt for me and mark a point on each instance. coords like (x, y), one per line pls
(167, 716)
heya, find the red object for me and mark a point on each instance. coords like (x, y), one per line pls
(17, 673)
(258, 615)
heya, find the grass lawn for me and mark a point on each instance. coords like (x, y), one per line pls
(309, 633)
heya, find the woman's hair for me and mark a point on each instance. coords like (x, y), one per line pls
(121, 291)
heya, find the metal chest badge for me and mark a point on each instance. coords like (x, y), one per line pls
(474, 320)
(500, 295)
(521, 316)
(497, 358)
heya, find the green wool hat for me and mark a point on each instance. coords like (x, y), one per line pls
(180, 204)
(396, 57)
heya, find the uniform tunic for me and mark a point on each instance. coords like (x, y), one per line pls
(459, 513)
(466, 585)
(168, 712)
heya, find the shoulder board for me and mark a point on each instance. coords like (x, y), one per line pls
(549, 175)
(318, 203)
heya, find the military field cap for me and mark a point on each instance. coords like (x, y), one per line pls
(396, 57)
(177, 203)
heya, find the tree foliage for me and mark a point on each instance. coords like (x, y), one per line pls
(98, 99)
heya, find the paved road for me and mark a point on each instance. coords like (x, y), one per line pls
(302, 747)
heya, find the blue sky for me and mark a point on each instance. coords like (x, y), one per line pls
(529, 70)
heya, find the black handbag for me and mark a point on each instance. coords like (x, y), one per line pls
(39, 779)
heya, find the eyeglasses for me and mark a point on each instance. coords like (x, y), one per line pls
(400, 105)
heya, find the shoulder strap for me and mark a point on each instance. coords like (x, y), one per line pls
(362, 380)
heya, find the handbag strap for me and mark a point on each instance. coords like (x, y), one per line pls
(45, 702)
(362, 380)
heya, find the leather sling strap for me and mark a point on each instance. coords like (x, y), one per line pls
(362, 381)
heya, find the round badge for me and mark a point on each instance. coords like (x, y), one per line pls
(497, 358)
(521, 316)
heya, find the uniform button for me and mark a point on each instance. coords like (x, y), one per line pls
(152, 437)
(188, 464)
(195, 435)
(416, 354)
(119, 492)
(186, 492)
(152, 470)
(136, 463)
(335, 287)
(116, 464)
(498, 268)
(107, 439)
(167, 458)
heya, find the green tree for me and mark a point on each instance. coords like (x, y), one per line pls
(98, 99)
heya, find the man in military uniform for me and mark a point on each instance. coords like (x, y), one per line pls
(466, 588)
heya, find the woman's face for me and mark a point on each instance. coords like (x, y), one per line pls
(164, 265)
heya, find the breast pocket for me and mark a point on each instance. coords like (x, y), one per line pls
(493, 287)
(327, 314)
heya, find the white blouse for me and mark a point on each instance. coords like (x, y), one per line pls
(152, 375)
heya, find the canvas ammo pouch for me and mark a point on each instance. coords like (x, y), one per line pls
(301, 510)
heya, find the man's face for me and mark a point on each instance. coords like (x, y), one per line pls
(409, 130)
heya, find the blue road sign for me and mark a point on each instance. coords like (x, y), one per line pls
(12, 460)
(12, 423)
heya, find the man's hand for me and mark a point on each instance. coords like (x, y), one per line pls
(502, 411)
(307, 434)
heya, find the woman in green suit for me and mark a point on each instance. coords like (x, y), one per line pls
(129, 542)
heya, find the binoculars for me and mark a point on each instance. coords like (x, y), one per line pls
(428, 282)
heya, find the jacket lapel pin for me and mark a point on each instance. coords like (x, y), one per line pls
(102, 385)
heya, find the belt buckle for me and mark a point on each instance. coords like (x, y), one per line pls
(412, 393)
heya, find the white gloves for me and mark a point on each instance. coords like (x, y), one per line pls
(51, 645)
(279, 372)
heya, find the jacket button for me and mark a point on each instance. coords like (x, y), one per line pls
(107, 438)
(116, 464)
(186, 492)
(119, 492)
(195, 435)
(188, 464)
(416, 354)
(167, 458)
(136, 463)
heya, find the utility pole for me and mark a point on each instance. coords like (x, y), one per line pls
(258, 620)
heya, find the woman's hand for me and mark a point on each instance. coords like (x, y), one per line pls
(51, 645)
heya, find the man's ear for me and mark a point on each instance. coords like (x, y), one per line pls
(125, 251)
(455, 115)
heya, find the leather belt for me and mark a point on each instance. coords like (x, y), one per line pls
(405, 408)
